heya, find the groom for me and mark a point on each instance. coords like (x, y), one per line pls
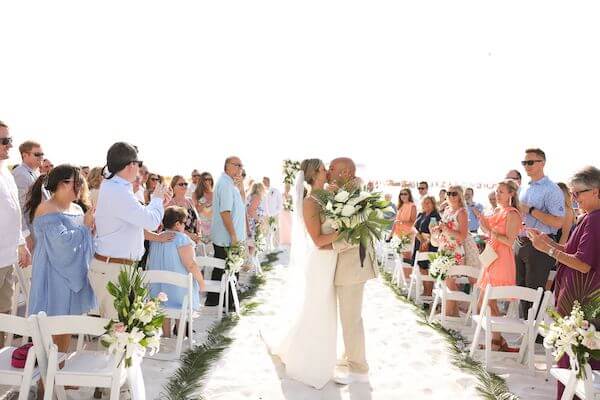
(350, 278)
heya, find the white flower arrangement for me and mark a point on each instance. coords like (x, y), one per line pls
(236, 257)
(260, 241)
(440, 264)
(573, 335)
(290, 169)
(401, 243)
(139, 324)
(288, 204)
(273, 226)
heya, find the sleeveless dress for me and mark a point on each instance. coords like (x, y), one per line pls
(465, 252)
(501, 272)
(401, 225)
(309, 350)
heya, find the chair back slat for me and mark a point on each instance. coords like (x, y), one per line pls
(167, 277)
(211, 262)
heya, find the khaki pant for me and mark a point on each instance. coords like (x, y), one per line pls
(100, 274)
(7, 290)
(350, 303)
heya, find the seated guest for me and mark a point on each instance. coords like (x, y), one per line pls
(423, 237)
(175, 256)
(63, 248)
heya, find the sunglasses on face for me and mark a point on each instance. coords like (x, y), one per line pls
(182, 184)
(576, 193)
(196, 176)
(529, 163)
(6, 141)
(451, 194)
(155, 179)
(422, 188)
(403, 194)
(39, 155)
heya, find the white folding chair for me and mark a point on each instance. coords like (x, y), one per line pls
(21, 377)
(505, 324)
(183, 314)
(443, 294)
(415, 285)
(81, 367)
(585, 389)
(544, 317)
(21, 294)
(228, 282)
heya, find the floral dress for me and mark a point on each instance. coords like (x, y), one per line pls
(255, 220)
(447, 241)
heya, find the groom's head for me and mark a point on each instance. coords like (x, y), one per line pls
(341, 170)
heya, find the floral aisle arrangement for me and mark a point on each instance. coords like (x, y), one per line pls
(440, 264)
(290, 169)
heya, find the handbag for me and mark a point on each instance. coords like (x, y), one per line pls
(488, 256)
(19, 356)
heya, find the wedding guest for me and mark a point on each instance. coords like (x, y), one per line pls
(12, 240)
(443, 201)
(407, 213)
(579, 259)
(273, 205)
(175, 256)
(152, 182)
(502, 226)
(514, 175)
(453, 237)
(543, 206)
(285, 218)
(120, 221)
(203, 199)
(25, 175)
(229, 218)
(140, 193)
(63, 248)
(46, 166)
(179, 187)
(256, 214)
(390, 215)
(85, 171)
(94, 180)
(425, 218)
(569, 223)
(471, 207)
(194, 184)
(84, 201)
(423, 189)
(493, 200)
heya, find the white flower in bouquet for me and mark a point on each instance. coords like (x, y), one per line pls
(401, 243)
(348, 210)
(236, 257)
(342, 196)
(440, 264)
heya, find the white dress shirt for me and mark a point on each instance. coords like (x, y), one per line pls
(25, 177)
(190, 190)
(10, 216)
(273, 202)
(121, 220)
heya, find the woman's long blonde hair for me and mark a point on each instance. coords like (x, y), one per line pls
(461, 193)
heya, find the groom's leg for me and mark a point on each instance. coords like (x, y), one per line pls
(350, 304)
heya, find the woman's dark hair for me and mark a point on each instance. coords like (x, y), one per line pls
(119, 156)
(410, 197)
(50, 182)
(204, 178)
(174, 214)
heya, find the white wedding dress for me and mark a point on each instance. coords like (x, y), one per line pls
(308, 348)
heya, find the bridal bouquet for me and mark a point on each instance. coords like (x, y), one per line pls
(288, 204)
(356, 214)
(401, 243)
(440, 264)
(139, 324)
(573, 335)
(236, 256)
(290, 169)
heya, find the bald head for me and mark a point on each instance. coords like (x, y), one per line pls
(342, 169)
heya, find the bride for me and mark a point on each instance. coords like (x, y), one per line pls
(308, 349)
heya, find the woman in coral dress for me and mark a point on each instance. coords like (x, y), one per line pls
(285, 218)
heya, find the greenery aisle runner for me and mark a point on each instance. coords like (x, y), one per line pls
(491, 386)
(186, 381)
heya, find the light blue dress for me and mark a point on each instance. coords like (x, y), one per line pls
(61, 258)
(165, 257)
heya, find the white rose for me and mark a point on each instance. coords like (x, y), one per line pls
(342, 196)
(329, 206)
(348, 211)
(592, 341)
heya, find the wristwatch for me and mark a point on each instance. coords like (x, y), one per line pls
(531, 210)
(552, 252)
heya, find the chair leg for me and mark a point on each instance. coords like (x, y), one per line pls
(436, 301)
(49, 387)
(180, 334)
(488, 348)
(443, 315)
(549, 363)
(531, 352)
(115, 390)
(476, 338)
(523, 348)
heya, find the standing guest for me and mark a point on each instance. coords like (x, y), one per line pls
(180, 199)
(94, 180)
(84, 201)
(151, 183)
(85, 171)
(175, 256)
(12, 240)
(405, 217)
(229, 218)
(192, 186)
(443, 201)
(471, 206)
(273, 204)
(514, 175)
(569, 223)
(25, 175)
(203, 199)
(63, 248)
(578, 260)
(390, 215)
(140, 193)
(423, 188)
(120, 222)
(46, 166)
(543, 205)
(502, 226)
(285, 218)
(493, 200)
(370, 186)
(425, 218)
(256, 214)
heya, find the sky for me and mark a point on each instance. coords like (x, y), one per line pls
(438, 90)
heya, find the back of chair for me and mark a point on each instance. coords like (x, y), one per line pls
(16, 325)
(211, 262)
(69, 324)
(168, 277)
(464, 270)
(422, 256)
(547, 301)
(514, 292)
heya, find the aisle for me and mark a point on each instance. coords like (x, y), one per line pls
(407, 360)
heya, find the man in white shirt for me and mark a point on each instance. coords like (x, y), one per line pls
(120, 222)
(273, 203)
(12, 241)
(195, 180)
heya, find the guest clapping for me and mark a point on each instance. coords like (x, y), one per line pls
(180, 199)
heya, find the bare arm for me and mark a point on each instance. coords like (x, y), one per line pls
(513, 225)
(566, 226)
(228, 222)
(547, 219)
(413, 215)
(186, 254)
(313, 225)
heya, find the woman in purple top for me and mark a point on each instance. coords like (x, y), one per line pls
(578, 260)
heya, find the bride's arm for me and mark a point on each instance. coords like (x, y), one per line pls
(313, 224)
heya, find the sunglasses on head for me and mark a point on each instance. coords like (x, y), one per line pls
(451, 194)
(530, 162)
(6, 141)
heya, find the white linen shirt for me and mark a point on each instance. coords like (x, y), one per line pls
(121, 220)
(10, 216)
(273, 202)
